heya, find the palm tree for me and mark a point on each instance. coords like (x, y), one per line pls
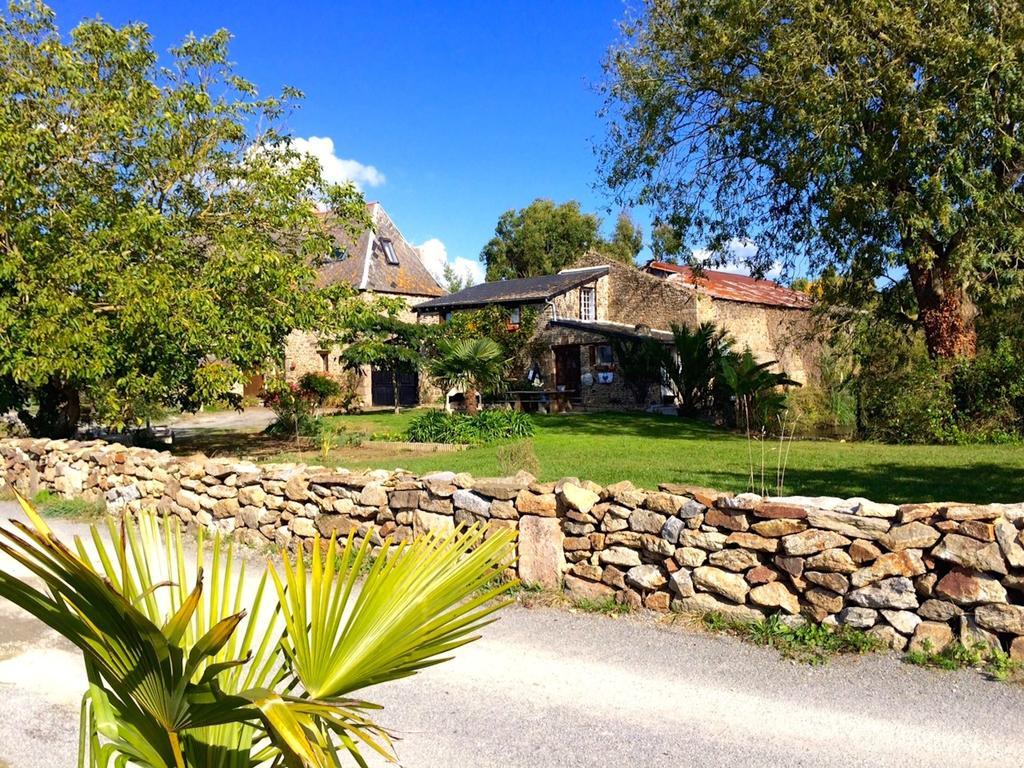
(698, 360)
(641, 364)
(760, 398)
(189, 678)
(472, 365)
(759, 391)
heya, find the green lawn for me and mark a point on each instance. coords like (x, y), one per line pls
(606, 447)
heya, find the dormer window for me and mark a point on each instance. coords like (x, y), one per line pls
(588, 304)
(337, 254)
(389, 251)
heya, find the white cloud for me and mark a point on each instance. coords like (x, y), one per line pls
(739, 255)
(434, 256)
(338, 169)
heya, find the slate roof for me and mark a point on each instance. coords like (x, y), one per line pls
(521, 290)
(618, 330)
(725, 285)
(364, 264)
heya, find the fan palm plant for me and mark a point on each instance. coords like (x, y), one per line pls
(695, 369)
(180, 674)
(472, 365)
(641, 363)
(759, 391)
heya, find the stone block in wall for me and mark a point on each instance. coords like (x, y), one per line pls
(702, 603)
(775, 595)
(541, 504)
(751, 541)
(503, 510)
(336, 525)
(423, 522)
(406, 499)
(729, 585)
(854, 526)
(971, 553)
(465, 499)
(578, 498)
(625, 494)
(895, 592)
(541, 551)
(439, 506)
(581, 589)
(504, 488)
(931, 636)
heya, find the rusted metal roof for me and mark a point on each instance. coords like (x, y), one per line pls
(362, 263)
(521, 290)
(726, 285)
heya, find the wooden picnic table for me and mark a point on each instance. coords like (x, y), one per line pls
(559, 399)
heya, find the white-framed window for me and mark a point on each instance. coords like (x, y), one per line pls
(605, 356)
(514, 316)
(389, 251)
(588, 304)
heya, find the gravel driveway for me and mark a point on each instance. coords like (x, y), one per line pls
(547, 688)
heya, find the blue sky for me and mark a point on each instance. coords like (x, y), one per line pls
(450, 112)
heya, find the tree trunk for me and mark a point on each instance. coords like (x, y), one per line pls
(471, 408)
(946, 311)
(394, 387)
(60, 409)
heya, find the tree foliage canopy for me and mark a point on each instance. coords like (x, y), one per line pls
(626, 241)
(878, 137)
(157, 232)
(540, 239)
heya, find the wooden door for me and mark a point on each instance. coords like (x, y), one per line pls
(382, 387)
(567, 369)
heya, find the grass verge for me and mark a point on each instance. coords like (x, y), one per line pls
(51, 505)
(808, 643)
(994, 662)
(648, 449)
(606, 606)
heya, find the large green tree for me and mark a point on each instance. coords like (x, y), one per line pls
(880, 137)
(540, 239)
(626, 242)
(157, 233)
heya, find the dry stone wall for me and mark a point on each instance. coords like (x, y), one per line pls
(911, 573)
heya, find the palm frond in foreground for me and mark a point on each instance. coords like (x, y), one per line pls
(229, 672)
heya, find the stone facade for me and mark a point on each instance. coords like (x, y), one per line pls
(305, 353)
(906, 574)
(790, 336)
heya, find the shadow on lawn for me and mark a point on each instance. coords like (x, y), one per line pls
(892, 483)
(233, 443)
(632, 424)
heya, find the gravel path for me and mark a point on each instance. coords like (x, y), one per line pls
(248, 419)
(547, 688)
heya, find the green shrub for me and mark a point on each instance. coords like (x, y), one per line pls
(460, 428)
(295, 409)
(518, 457)
(318, 388)
(908, 398)
(911, 403)
(988, 396)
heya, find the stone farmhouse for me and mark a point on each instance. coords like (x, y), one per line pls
(582, 308)
(774, 321)
(379, 261)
